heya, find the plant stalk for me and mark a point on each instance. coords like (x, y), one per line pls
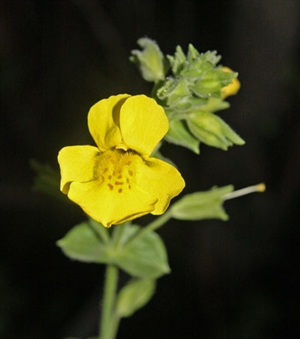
(107, 330)
(152, 226)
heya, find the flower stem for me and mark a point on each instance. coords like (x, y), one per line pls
(118, 234)
(106, 330)
(152, 226)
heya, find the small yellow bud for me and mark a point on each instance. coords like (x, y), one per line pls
(232, 88)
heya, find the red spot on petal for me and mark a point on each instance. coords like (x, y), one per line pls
(110, 186)
(109, 177)
(130, 172)
(119, 176)
(120, 190)
(119, 183)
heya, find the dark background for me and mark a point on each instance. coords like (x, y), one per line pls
(235, 279)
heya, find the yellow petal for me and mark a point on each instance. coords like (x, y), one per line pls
(232, 88)
(76, 164)
(143, 123)
(103, 121)
(108, 206)
(161, 180)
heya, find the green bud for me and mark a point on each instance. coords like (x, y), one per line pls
(178, 134)
(214, 105)
(174, 93)
(196, 79)
(150, 60)
(212, 130)
(134, 295)
(177, 61)
(211, 83)
(202, 205)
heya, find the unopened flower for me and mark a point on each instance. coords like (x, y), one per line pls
(118, 181)
(150, 61)
(232, 88)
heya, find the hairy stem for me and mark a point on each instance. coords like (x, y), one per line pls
(106, 330)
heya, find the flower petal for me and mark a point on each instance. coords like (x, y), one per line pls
(161, 180)
(76, 164)
(103, 121)
(232, 88)
(143, 123)
(111, 207)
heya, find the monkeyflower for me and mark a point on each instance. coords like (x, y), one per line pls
(118, 180)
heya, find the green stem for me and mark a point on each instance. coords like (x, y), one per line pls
(106, 330)
(116, 322)
(100, 231)
(152, 226)
(118, 234)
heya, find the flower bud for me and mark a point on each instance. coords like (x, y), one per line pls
(232, 88)
(212, 130)
(202, 205)
(150, 60)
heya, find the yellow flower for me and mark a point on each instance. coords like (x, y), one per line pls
(118, 180)
(232, 88)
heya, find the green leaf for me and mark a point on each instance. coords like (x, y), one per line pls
(202, 205)
(47, 180)
(134, 295)
(85, 242)
(144, 258)
(178, 134)
(212, 130)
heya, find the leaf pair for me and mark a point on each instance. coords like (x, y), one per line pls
(90, 242)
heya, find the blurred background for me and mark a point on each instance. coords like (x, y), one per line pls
(235, 279)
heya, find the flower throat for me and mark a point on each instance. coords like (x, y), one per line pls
(117, 169)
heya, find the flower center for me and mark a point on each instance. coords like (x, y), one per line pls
(116, 169)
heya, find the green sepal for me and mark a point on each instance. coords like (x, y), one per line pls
(177, 61)
(211, 83)
(178, 134)
(202, 205)
(150, 61)
(214, 105)
(212, 130)
(144, 258)
(133, 296)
